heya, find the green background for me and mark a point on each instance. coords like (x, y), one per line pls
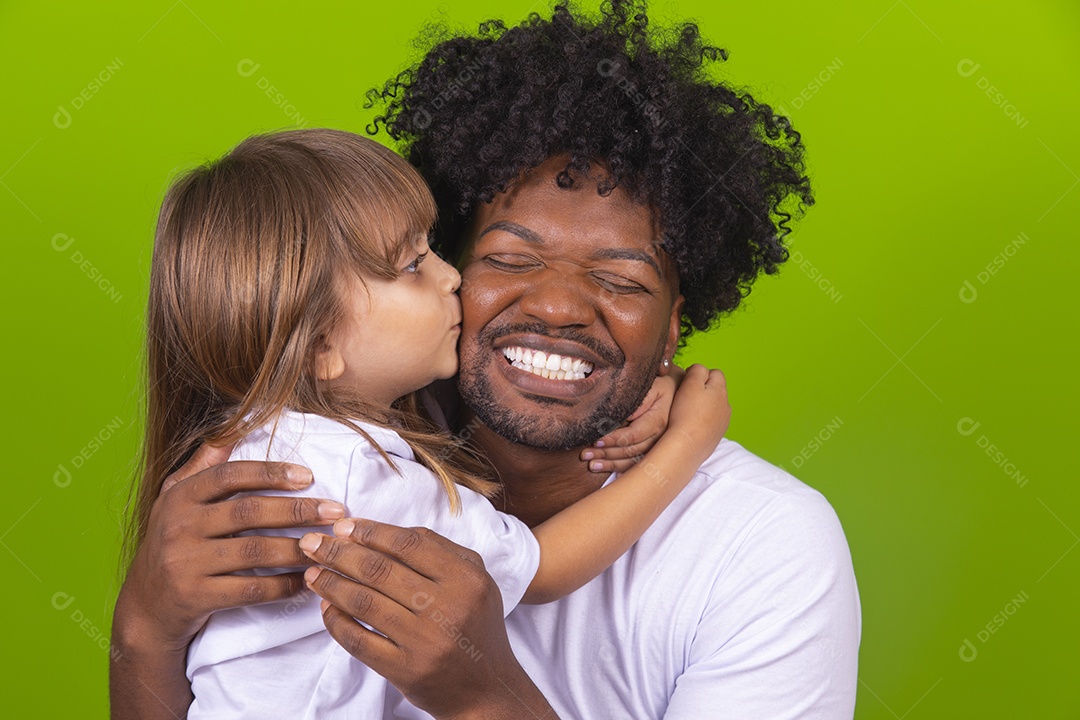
(853, 368)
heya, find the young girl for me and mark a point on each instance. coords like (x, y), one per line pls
(295, 305)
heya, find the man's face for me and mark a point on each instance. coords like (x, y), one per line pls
(572, 274)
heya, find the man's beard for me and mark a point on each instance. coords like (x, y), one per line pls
(545, 432)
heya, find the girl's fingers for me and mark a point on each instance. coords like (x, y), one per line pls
(226, 479)
(242, 590)
(676, 373)
(646, 404)
(620, 452)
(606, 467)
(696, 373)
(649, 426)
(253, 512)
(716, 378)
(255, 551)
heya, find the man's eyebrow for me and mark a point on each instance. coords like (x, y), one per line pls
(629, 254)
(605, 254)
(514, 229)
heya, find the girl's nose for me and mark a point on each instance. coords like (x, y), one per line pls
(451, 279)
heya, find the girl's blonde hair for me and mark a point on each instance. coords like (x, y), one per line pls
(251, 256)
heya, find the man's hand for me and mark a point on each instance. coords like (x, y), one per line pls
(181, 572)
(445, 646)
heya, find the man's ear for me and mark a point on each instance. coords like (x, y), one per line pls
(329, 363)
(674, 330)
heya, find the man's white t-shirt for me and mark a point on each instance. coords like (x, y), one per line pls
(738, 603)
(277, 660)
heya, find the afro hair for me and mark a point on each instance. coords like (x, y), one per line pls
(724, 173)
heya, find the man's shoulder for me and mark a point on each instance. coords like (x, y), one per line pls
(732, 471)
(740, 503)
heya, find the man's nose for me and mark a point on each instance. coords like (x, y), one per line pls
(559, 299)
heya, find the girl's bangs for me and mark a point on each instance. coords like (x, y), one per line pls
(391, 208)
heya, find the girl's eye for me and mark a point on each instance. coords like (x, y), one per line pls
(414, 266)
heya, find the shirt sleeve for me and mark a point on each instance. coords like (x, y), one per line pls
(779, 637)
(416, 498)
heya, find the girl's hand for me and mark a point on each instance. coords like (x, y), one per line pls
(700, 412)
(621, 448)
(182, 571)
(441, 639)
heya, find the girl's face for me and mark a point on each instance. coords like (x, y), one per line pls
(398, 335)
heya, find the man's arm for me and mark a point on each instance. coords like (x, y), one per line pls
(445, 646)
(146, 675)
(182, 571)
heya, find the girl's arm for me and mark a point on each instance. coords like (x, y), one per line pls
(619, 449)
(580, 542)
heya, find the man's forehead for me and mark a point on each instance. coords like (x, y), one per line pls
(538, 204)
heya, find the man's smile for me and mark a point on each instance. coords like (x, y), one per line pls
(551, 366)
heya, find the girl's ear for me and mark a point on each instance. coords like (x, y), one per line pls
(329, 364)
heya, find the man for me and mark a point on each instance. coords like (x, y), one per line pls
(604, 198)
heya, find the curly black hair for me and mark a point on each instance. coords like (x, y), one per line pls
(724, 172)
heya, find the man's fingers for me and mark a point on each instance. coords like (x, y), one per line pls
(423, 550)
(253, 512)
(365, 566)
(386, 615)
(242, 590)
(221, 481)
(255, 551)
(370, 648)
(205, 456)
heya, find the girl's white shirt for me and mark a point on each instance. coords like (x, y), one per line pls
(277, 659)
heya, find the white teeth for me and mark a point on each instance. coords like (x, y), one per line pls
(551, 366)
